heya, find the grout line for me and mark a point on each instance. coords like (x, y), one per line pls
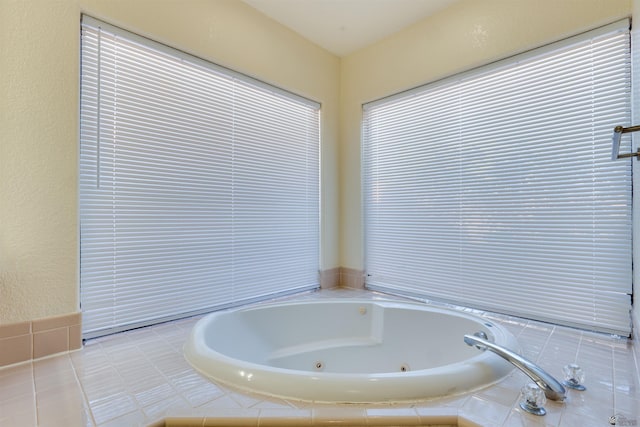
(546, 343)
(575, 358)
(35, 393)
(87, 405)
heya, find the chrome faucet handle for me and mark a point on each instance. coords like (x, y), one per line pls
(533, 399)
(573, 377)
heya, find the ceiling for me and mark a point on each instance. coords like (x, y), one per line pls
(344, 26)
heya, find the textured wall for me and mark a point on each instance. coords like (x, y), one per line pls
(38, 171)
(39, 63)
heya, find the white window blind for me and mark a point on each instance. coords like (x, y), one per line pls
(199, 187)
(495, 189)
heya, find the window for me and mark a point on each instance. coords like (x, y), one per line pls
(199, 187)
(495, 189)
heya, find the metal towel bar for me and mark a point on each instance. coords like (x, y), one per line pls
(617, 134)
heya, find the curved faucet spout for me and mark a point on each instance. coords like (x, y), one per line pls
(551, 387)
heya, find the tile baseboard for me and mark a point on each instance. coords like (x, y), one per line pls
(351, 278)
(330, 278)
(23, 341)
(342, 277)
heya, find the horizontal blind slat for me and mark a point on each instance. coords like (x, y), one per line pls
(496, 187)
(199, 187)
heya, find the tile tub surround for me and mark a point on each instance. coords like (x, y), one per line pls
(351, 278)
(140, 378)
(342, 277)
(24, 341)
(330, 279)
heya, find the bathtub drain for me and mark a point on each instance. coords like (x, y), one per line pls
(319, 366)
(404, 367)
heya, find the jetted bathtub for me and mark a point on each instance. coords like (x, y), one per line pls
(345, 350)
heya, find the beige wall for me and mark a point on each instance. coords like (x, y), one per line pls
(466, 35)
(39, 48)
(39, 44)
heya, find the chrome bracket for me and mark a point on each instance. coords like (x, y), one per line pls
(617, 135)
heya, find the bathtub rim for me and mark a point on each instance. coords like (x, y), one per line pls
(268, 380)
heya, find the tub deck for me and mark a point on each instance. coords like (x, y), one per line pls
(141, 378)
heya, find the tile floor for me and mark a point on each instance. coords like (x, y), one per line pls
(140, 377)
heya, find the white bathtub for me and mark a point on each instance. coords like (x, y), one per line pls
(347, 350)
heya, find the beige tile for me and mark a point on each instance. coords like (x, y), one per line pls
(50, 342)
(246, 400)
(392, 416)
(56, 381)
(569, 419)
(21, 369)
(465, 422)
(155, 394)
(15, 329)
(143, 380)
(132, 419)
(61, 404)
(519, 417)
(102, 384)
(484, 412)
(56, 322)
(230, 421)
(75, 337)
(183, 422)
(79, 419)
(284, 417)
(174, 406)
(18, 419)
(352, 278)
(338, 415)
(330, 278)
(437, 416)
(15, 349)
(113, 407)
(202, 394)
(223, 403)
(230, 412)
(273, 403)
(58, 370)
(16, 386)
(501, 395)
(60, 362)
(18, 406)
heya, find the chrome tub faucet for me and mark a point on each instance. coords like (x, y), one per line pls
(552, 388)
